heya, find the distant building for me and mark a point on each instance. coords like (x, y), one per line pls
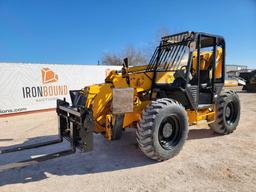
(235, 67)
(235, 70)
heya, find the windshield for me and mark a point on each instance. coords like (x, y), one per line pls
(169, 57)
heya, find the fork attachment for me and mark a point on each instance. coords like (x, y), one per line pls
(75, 124)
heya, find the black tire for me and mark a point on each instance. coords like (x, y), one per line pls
(163, 129)
(117, 127)
(228, 113)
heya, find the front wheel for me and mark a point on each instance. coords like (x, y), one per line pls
(163, 129)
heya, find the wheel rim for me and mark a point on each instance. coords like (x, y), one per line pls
(169, 133)
(230, 113)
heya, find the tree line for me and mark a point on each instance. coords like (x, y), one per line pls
(135, 56)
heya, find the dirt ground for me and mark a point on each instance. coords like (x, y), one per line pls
(207, 162)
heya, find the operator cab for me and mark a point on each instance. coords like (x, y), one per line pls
(195, 63)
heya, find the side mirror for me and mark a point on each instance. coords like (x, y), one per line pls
(126, 64)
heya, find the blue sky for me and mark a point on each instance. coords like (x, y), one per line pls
(80, 32)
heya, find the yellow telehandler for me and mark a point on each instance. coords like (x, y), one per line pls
(181, 86)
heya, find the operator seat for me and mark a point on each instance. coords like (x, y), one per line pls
(180, 79)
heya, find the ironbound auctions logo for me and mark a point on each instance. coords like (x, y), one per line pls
(48, 76)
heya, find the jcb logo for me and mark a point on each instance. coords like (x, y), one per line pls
(48, 76)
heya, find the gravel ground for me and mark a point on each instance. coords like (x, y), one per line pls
(207, 162)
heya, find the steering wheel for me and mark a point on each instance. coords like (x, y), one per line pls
(183, 71)
(184, 68)
(180, 77)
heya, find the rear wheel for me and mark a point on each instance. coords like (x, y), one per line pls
(163, 129)
(228, 113)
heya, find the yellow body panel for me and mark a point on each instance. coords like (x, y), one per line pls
(137, 69)
(165, 77)
(99, 99)
(207, 114)
(129, 118)
(141, 81)
(120, 82)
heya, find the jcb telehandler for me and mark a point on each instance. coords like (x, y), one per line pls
(181, 86)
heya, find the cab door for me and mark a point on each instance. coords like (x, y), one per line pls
(207, 69)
